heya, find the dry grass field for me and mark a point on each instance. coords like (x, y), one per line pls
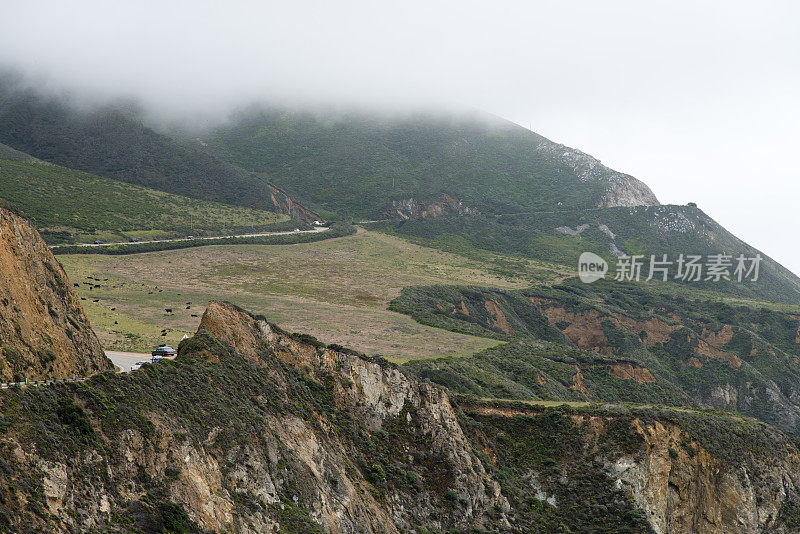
(336, 290)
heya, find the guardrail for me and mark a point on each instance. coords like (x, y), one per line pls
(28, 383)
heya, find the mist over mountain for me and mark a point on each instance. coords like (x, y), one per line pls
(696, 100)
(440, 175)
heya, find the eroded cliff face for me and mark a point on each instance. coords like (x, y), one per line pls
(684, 488)
(375, 395)
(733, 359)
(252, 429)
(444, 205)
(283, 203)
(267, 433)
(679, 482)
(43, 330)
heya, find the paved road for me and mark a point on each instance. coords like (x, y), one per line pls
(312, 231)
(124, 360)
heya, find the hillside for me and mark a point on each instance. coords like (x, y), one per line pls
(64, 202)
(469, 180)
(457, 180)
(43, 331)
(561, 237)
(373, 166)
(8, 153)
(642, 347)
(254, 430)
(114, 143)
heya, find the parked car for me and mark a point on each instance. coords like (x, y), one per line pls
(133, 240)
(164, 351)
(189, 237)
(98, 242)
(136, 366)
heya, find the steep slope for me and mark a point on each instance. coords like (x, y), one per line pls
(9, 154)
(254, 430)
(113, 143)
(43, 330)
(685, 472)
(374, 166)
(69, 201)
(536, 371)
(610, 232)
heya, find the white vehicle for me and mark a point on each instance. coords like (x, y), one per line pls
(137, 365)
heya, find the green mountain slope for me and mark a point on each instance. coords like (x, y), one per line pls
(532, 370)
(113, 143)
(76, 202)
(473, 181)
(461, 181)
(561, 237)
(8, 153)
(372, 166)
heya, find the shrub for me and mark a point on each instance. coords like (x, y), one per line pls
(174, 518)
(74, 418)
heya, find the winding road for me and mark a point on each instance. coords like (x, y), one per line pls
(179, 239)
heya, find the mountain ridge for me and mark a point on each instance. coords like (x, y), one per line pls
(417, 157)
(115, 143)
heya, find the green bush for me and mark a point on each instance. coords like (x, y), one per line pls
(74, 418)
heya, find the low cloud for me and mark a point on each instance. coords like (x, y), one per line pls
(698, 99)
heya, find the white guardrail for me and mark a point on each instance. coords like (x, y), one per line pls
(28, 383)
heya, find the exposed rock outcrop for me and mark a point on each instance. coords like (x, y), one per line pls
(340, 443)
(444, 205)
(283, 203)
(684, 488)
(373, 393)
(44, 332)
(620, 189)
(738, 359)
(682, 483)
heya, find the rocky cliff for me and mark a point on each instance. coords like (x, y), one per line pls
(249, 430)
(620, 189)
(43, 330)
(252, 429)
(283, 203)
(685, 471)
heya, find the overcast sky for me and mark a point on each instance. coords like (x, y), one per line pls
(700, 100)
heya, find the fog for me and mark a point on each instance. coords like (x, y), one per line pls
(698, 99)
